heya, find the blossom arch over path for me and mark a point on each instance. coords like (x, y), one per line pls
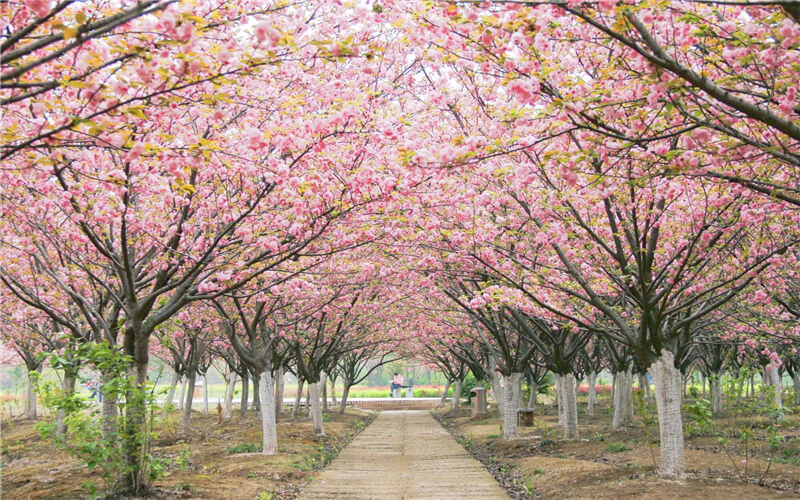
(321, 176)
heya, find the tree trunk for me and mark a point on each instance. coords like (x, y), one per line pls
(739, 387)
(457, 395)
(623, 400)
(752, 385)
(570, 405)
(561, 404)
(256, 396)
(667, 381)
(796, 386)
(68, 388)
(497, 389)
(279, 390)
(323, 383)
(297, 397)
(229, 388)
(715, 387)
(137, 346)
(532, 395)
(30, 399)
(333, 389)
(171, 393)
(205, 393)
(109, 407)
(703, 378)
(613, 386)
(183, 394)
(345, 393)
(316, 408)
(269, 429)
(187, 405)
(774, 377)
(443, 400)
(245, 395)
(511, 405)
(591, 379)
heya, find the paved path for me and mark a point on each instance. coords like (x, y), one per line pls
(404, 455)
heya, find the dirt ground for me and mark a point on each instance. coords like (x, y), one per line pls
(202, 465)
(621, 464)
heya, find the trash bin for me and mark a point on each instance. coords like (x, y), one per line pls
(525, 417)
(478, 402)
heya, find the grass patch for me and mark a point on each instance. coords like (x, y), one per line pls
(616, 447)
(243, 448)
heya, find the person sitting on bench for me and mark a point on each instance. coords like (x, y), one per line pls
(397, 383)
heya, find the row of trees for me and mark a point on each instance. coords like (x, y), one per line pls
(565, 185)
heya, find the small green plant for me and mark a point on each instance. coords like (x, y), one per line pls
(243, 448)
(616, 447)
(700, 413)
(183, 458)
(465, 441)
(764, 402)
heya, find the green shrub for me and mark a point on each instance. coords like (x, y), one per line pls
(84, 420)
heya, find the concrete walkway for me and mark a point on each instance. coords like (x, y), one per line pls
(404, 455)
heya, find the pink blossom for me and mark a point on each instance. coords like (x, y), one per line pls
(39, 7)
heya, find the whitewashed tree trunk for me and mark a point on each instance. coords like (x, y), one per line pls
(205, 393)
(316, 408)
(667, 381)
(511, 405)
(279, 391)
(187, 405)
(591, 379)
(623, 400)
(30, 398)
(497, 389)
(183, 394)
(227, 410)
(269, 429)
(443, 400)
(68, 387)
(569, 402)
(561, 404)
(457, 395)
(796, 387)
(171, 393)
(715, 387)
(775, 382)
(332, 381)
(323, 384)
